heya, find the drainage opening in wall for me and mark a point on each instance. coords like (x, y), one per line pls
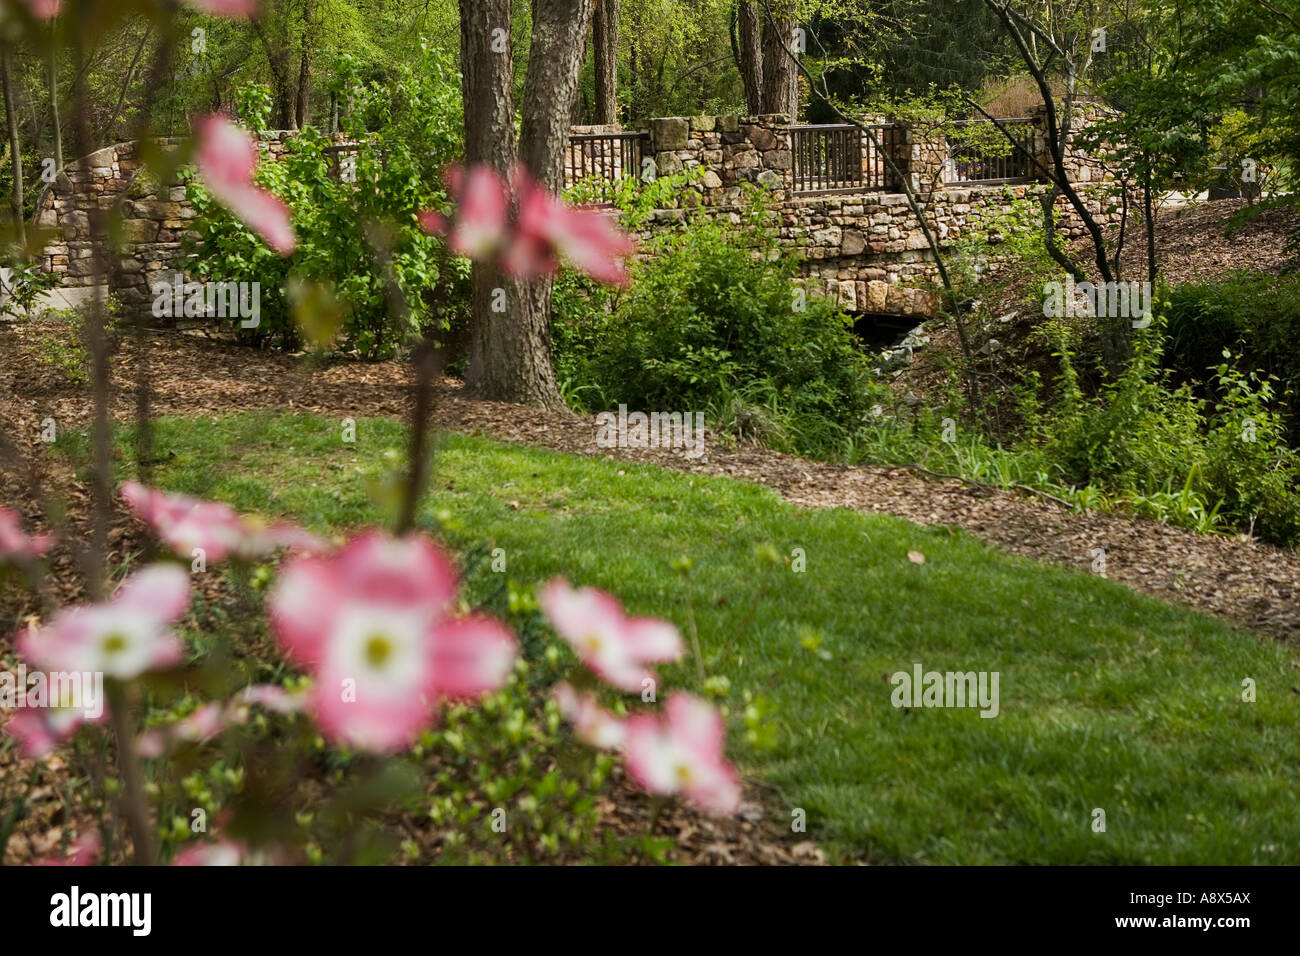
(877, 331)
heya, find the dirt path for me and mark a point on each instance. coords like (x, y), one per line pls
(1240, 580)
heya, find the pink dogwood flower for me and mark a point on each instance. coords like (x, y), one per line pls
(483, 208)
(595, 726)
(39, 730)
(184, 524)
(226, 8)
(226, 852)
(548, 228)
(84, 852)
(372, 624)
(614, 646)
(544, 231)
(681, 755)
(227, 160)
(16, 546)
(42, 9)
(122, 637)
(211, 719)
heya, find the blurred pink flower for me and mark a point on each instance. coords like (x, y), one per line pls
(122, 637)
(227, 159)
(16, 546)
(226, 8)
(272, 697)
(595, 726)
(617, 648)
(223, 853)
(42, 9)
(212, 718)
(483, 207)
(39, 730)
(84, 852)
(682, 755)
(544, 231)
(371, 623)
(549, 228)
(226, 852)
(184, 523)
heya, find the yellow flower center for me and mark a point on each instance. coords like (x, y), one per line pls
(378, 650)
(114, 644)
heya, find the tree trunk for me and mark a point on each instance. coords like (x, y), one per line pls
(486, 89)
(510, 349)
(284, 86)
(780, 76)
(15, 147)
(285, 90)
(55, 117)
(604, 30)
(749, 52)
(554, 65)
(303, 110)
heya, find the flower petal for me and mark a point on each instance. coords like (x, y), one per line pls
(472, 656)
(161, 591)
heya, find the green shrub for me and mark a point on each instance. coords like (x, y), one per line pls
(357, 235)
(714, 323)
(27, 282)
(1255, 316)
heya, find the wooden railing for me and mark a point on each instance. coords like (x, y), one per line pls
(603, 159)
(988, 157)
(836, 157)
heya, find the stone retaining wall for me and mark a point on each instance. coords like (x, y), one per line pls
(154, 218)
(863, 247)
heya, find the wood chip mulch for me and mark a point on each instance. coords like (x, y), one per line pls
(1236, 578)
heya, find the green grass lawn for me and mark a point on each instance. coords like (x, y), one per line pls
(1108, 699)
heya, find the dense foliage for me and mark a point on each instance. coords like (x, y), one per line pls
(360, 247)
(714, 323)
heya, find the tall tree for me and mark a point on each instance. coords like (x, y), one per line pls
(302, 109)
(780, 75)
(487, 92)
(604, 31)
(747, 46)
(287, 31)
(510, 346)
(15, 144)
(52, 78)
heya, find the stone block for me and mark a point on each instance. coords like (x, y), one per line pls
(139, 230)
(778, 159)
(877, 296)
(761, 137)
(668, 163)
(669, 132)
(853, 243)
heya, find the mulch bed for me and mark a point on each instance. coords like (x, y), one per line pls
(1239, 579)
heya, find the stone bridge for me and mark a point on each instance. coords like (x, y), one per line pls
(838, 202)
